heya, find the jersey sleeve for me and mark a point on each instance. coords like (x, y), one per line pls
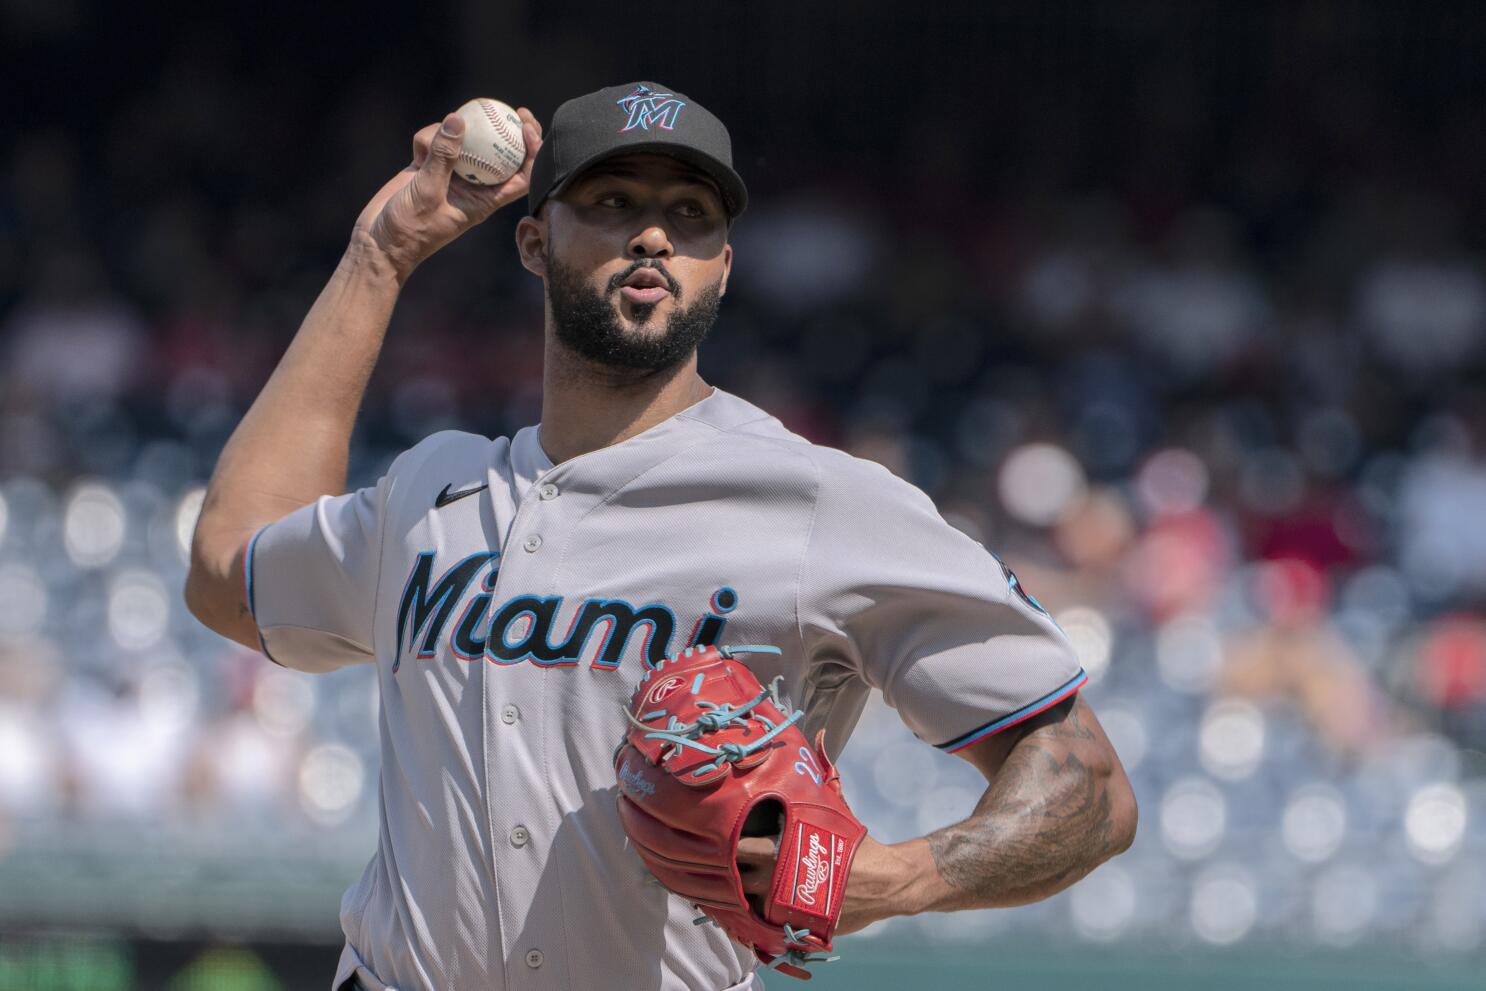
(924, 613)
(311, 580)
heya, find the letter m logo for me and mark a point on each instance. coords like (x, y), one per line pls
(644, 107)
(426, 604)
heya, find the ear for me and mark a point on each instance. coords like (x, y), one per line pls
(531, 244)
(727, 266)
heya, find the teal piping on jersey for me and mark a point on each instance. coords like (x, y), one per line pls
(248, 583)
(1021, 715)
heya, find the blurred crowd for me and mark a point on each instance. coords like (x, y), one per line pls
(1232, 433)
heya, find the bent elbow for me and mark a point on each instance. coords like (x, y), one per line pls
(1124, 814)
(192, 596)
(213, 591)
(200, 600)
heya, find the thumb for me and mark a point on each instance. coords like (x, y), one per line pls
(448, 142)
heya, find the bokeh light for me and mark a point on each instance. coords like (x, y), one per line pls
(331, 779)
(1188, 653)
(1194, 817)
(1344, 902)
(169, 693)
(1315, 822)
(283, 701)
(1225, 904)
(1457, 910)
(1435, 822)
(1232, 739)
(1040, 483)
(1127, 733)
(1172, 481)
(1102, 906)
(138, 609)
(1091, 636)
(28, 766)
(93, 525)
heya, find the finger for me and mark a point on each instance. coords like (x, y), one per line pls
(531, 136)
(421, 143)
(756, 849)
(527, 117)
(755, 883)
(518, 184)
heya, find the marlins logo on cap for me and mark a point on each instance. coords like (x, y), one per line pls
(644, 107)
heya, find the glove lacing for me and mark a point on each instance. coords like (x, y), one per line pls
(718, 716)
(799, 942)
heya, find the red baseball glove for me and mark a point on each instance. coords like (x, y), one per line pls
(709, 752)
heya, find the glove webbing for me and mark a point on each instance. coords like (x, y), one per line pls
(679, 734)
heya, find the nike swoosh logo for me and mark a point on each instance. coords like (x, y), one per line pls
(445, 497)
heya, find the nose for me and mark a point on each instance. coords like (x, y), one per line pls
(652, 242)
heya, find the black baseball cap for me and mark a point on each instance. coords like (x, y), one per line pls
(636, 117)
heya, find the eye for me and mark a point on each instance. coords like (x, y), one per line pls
(617, 201)
(691, 210)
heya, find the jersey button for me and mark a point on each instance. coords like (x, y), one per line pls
(509, 714)
(532, 543)
(548, 491)
(519, 836)
(534, 958)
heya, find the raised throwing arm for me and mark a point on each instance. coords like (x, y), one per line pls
(291, 446)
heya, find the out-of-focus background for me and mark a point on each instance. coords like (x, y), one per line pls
(1179, 306)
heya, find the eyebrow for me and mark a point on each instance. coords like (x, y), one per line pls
(683, 176)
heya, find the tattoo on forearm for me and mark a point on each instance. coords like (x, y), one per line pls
(1043, 823)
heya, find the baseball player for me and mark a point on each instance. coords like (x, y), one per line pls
(510, 592)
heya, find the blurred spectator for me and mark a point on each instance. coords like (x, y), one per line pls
(1296, 656)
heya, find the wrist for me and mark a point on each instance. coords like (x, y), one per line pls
(884, 882)
(365, 260)
(911, 868)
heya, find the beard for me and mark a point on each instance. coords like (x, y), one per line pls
(589, 322)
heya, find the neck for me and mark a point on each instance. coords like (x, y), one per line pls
(586, 406)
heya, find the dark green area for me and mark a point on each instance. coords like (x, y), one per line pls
(1053, 967)
(66, 964)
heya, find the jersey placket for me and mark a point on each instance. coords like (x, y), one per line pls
(523, 817)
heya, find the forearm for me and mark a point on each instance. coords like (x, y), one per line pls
(292, 445)
(1059, 806)
(1018, 847)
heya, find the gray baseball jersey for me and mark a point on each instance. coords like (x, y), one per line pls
(511, 605)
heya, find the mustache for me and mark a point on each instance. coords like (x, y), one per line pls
(651, 263)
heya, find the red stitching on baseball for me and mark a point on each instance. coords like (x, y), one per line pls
(496, 119)
(476, 160)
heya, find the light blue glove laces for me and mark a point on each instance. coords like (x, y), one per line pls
(718, 716)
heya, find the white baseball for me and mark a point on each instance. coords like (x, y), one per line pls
(493, 148)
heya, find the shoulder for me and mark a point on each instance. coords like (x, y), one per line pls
(454, 458)
(747, 435)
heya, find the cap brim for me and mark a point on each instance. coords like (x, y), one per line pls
(734, 193)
